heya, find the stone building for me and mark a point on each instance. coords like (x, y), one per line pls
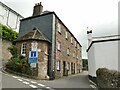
(65, 52)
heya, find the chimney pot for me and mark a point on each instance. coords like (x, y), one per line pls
(38, 8)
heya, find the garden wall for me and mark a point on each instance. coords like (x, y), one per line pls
(108, 78)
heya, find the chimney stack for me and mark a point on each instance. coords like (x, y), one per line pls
(89, 36)
(38, 8)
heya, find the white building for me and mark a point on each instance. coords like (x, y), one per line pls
(9, 17)
(102, 53)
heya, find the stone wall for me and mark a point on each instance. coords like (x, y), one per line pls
(42, 67)
(5, 53)
(61, 55)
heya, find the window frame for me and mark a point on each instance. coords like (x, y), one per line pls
(58, 65)
(23, 49)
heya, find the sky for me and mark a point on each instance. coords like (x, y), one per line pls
(101, 16)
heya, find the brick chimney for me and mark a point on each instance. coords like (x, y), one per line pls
(38, 8)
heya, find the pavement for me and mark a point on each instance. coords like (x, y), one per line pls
(78, 81)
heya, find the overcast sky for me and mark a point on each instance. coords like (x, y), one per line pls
(99, 15)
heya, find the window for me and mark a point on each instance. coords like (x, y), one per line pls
(78, 46)
(68, 67)
(23, 49)
(74, 54)
(59, 28)
(58, 65)
(58, 45)
(77, 56)
(71, 39)
(66, 35)
(68, 51)
(75, 44)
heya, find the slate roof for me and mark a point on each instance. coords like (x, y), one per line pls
(35, 34)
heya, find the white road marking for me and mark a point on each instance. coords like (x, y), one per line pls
(47, 87)
(41, 85)
(15, 77)
(26, 79)
(33, 86)
(20, 79)
(26, 82)
(33, 82)
(93, 87)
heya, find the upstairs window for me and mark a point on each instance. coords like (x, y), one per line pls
(66, 35)
(68, 51)
(75, 44)
(73, 54)
(77, 57)
(59, 46)
(23, 49)
(59, 27)
(71, 39)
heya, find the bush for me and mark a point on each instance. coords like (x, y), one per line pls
(8, 33)
(108, 78)
(18, 63)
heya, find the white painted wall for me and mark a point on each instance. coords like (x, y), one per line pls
(103, 54)
(106, 54)
(9, 17)
(91, 62)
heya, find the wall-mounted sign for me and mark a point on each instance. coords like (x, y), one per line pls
(34, 45)
(33, 65)
(33, 57)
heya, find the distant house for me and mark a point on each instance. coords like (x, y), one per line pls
(64, 55)
(102, 53)
(9, 17)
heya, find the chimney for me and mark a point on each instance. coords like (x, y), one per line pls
(38, 8)
(89, 36)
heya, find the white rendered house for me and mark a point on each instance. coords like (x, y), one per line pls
(9, 17)
(102, 53)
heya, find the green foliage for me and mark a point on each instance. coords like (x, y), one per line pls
(85, 64)
(8, 33)
(18, 63)
(108, 78)
(13, 50)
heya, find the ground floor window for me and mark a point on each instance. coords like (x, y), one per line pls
(58, 65)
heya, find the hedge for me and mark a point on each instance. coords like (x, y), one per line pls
(108, 78)
(7, 33)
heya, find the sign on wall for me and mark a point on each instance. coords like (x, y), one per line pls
(34, 45)
(33, 57)
(33, 65)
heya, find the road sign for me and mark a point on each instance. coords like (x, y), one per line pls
(33, 57)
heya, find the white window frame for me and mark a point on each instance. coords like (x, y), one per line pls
(77, 57)
(75, 44)
(58, 45)
(23, 49)
(73, 54)
(68, 51)
(58, 65)
(66, 35)
(71, 39)
(59, 27)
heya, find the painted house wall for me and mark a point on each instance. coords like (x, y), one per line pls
(9, 17)
(103, 55)
(91, 62)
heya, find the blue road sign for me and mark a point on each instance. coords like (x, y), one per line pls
(33, 57)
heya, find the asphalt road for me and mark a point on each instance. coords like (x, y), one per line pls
(75, 81)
